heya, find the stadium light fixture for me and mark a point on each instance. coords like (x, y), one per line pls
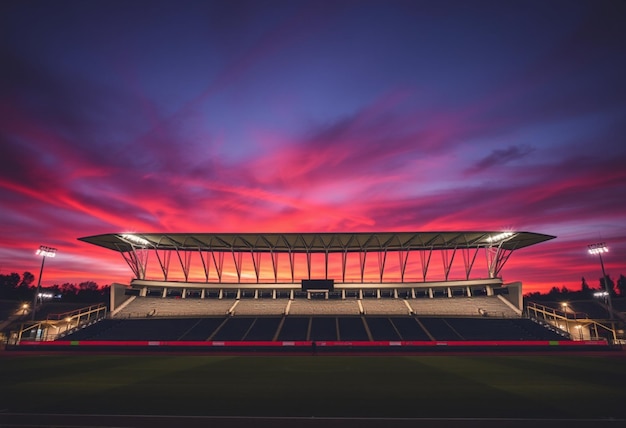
(499, 237)
(600, 248)
(135, 239)
(44, 252)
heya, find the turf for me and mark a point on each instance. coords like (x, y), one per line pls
(553, 386)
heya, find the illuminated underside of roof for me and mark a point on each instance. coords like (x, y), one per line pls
(316, 242)
(212, 247)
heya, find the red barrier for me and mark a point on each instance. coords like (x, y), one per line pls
(325, 344)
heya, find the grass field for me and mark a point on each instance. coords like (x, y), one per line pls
(552, 386)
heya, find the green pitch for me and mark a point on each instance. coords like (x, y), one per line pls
(554, 386)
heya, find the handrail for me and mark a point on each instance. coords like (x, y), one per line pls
(51, 329)
(83, 310)
(565, 316)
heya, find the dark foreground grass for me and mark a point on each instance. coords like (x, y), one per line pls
(553, 386)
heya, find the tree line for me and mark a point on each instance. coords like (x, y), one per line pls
(23, 287)
(585, 292)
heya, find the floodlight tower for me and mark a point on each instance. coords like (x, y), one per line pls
(44, 252)
(598, 249)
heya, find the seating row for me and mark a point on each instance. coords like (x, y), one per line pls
(317, 328)
(139, 307)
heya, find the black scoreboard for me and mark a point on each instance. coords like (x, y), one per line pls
(318, 284)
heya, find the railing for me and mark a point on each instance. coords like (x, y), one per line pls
(58, 325)
(553, 316)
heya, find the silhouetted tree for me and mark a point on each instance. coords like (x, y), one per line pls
(584, 286)
(610, 285)
(8, 286)
(88, 292)
(621, 285)
(554, 292)
(68, 289)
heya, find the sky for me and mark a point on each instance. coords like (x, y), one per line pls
(313, 116)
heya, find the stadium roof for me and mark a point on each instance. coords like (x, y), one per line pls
(316, 242)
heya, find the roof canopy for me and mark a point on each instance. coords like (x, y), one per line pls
(316, 242)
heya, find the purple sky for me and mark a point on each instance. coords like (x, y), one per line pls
(283, 116)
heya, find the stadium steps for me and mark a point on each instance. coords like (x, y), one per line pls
(217, 330)
(351, 328)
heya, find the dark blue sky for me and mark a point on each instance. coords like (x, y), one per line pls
(288, 116)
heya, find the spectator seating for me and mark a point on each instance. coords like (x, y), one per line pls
(324, 307)
(385, 306)
(316, 328)
(490, 306)
(260, 307)
(382, 328)
(352, 328)
(294, 328)
(141, 307)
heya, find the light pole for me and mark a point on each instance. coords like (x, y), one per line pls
(598, 249)
(44, 252)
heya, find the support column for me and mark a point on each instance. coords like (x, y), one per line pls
(203, 294)
(164, 292)
(489, 289)
(184, 294)
(449, 292)
(430, 292)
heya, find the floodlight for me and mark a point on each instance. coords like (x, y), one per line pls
(43, 251)
(46, 251)
(135, 239)
(499, 237)
(598, 248)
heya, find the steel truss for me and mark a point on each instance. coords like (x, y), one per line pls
(135, 249)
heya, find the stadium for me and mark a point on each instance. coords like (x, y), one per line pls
(322, 292)
(335, 329)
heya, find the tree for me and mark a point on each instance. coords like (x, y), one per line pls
(8, 286)
(610, 285)
(554, 291)
(621, 285)
(585, 290)
(88, 292)
(68, 289)
(584, 287)
(27, 280)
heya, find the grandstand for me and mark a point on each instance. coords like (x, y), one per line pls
(327, 300)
